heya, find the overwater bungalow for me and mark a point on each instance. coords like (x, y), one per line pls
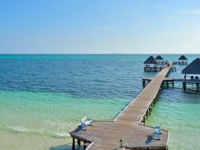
(151, 64)
(182, 60)
(160, 59)
(193, 69)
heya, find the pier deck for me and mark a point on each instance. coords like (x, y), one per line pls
(172, 80)
(129, 125)
(157, 68)
(188, 80)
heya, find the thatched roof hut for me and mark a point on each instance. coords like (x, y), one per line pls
(183, 58)
(159, 57)
(151, 60)
(193, 67)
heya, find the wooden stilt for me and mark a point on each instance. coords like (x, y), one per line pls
(154, 102)
(146, 114)
(197, 84)
(79, 142)
(84, 145)
(184, 86)
(150, 109)
(144, 120)
(73, 143)
(143, 83)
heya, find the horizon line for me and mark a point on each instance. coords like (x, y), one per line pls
(99, 53)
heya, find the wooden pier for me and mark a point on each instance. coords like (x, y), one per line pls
(157, 68)
(181, 63)
(167, 81)
(129, 125)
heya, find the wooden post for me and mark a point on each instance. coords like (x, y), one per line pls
(184, 86)
(144, 120)
(197, 84)
(79, 142)
(147, 114)
(162, 84)
(150, 109)
(84, 146)
(167, 83)
(159, 91)
(143, 83)
(73, 143)
(154, 102)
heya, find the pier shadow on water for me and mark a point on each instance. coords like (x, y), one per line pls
(66, 147)
(62, 147)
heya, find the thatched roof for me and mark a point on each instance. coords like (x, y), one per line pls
(182, 58)
(193, 67)
(151, 60)
(159, 57)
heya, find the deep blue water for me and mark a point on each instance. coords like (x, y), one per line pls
(101, 76)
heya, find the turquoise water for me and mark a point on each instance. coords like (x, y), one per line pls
(29, 118)
(44, 96)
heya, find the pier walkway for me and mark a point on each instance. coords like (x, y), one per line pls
(129, 125)
(188, 80)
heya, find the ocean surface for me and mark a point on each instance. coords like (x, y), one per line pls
(43, 97)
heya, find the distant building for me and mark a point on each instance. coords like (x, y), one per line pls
(160, 59)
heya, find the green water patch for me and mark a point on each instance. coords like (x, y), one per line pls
(49, 113)
(42, 120)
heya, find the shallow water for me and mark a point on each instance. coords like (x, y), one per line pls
(45, 96)
(46, 118)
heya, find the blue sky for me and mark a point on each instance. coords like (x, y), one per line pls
(99, 26)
